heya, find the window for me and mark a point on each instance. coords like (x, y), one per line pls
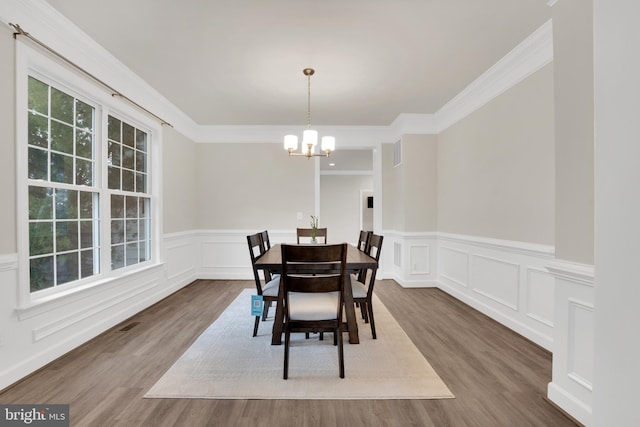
(63, 204)
(85, 186)
(127, 171)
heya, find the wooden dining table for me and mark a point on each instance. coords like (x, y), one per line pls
(356, 260)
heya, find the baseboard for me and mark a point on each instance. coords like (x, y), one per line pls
(569, 404)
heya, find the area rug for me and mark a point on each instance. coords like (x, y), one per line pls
(226, 362)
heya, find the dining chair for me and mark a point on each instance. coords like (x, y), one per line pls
(363, 240)
(271, 286)
(266, 243)
(306, 232)
(313, 279)
(362, 288)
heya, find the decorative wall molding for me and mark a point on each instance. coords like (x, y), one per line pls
(571, 386)
(495, 277)
(529, 56)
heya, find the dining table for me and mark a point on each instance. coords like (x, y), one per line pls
(356, 260)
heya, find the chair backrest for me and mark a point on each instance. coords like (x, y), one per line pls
(314, 268)
(257, 248)
(363, 240)
(375, 247)
(266, 243)
(307, 232)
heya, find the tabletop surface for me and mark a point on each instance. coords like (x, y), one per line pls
(272, 259)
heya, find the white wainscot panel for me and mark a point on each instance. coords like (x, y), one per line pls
(181, 259)
(454, 266)
(540, 296)
(420, 257)
(496, 279)
(227, 254)
(580, 359)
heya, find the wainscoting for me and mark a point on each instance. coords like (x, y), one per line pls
(571, 387)
(518, 284)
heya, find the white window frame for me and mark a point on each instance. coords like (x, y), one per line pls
(33, 62)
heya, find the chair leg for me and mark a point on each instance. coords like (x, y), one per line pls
(373, 324)
(287, 337)
(265, 310)
(363, 309)
(255, 326)
(340, 351)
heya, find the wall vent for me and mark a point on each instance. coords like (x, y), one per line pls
(397, 153)
(397, 254)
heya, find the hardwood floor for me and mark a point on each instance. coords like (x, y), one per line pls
(498, 377)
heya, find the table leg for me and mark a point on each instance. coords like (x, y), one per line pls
(350, 312)
(278, 321)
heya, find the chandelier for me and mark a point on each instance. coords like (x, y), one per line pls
(309, 136)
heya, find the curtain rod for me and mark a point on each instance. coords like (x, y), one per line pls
(20, 32)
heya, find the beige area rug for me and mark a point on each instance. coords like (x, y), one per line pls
(226, 362)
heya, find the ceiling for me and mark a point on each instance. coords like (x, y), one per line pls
(239, 62)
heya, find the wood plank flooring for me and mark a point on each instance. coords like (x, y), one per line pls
(498, 377)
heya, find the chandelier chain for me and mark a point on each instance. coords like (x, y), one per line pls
(309, 101)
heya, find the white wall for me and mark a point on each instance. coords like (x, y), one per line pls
(617, 208)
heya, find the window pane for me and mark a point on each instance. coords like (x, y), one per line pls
(141, 140)
(86, 204)
(143, 206)
(87, 265)
(117, 206)
(141, 183)
(62, 168)
(38, 96)
(84, 115)
(144, 224)
(38, 164)
(128, 180)
(117, 232)
(61, 137)
(66, 204)
(84, 172)
(67, 268)
(86, 234)
(40, 238)
(41, 273)
(84, 144)
(133, 255)
(114, 178)
(144, 256)
(132, 230)
(40, 203)
(114, 129)
(128, 134)
(61, 106)
(128, 158)
(114, 154)
(66, 236)
(117, 257)
(132, 207)
(38, 130)
(141, 161)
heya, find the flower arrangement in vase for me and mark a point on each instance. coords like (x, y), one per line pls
(314, 228)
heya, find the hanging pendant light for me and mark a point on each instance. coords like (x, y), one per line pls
(309, 136)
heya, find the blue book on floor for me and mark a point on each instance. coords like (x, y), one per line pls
(256, 305)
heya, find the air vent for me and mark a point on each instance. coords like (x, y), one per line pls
(397, 254)
(397, 153)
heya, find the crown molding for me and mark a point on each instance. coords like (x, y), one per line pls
(529, 56)
(48, 25)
